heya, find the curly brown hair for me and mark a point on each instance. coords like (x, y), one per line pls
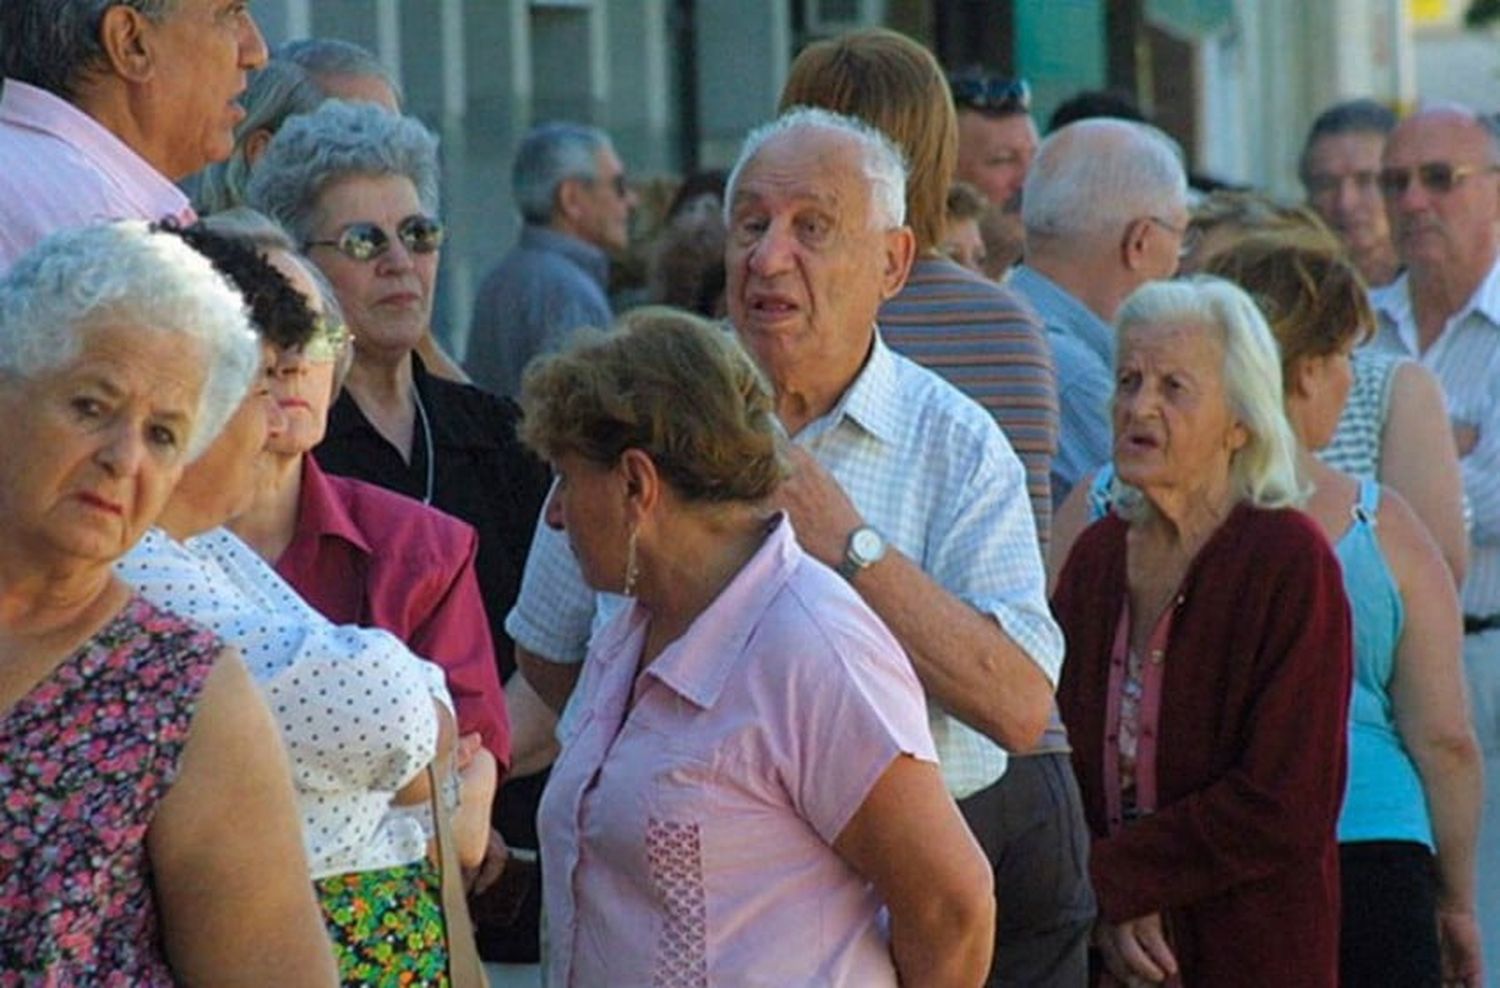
(670, 384)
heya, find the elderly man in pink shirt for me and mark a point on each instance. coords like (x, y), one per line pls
(106, 105)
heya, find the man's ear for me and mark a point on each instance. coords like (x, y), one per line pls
(900, 252)
(567, 202)
(1133, 243)
(123, 36)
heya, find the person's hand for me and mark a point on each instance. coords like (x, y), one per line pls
(471, 821)
(468, 746)
(1458, 935)
(476, 880)
(1466, 436)
(821, 512)
(1136, 950)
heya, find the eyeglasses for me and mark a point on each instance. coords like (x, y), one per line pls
(1440, 177)
(365, 241)
(327, 342)
(1190, 235)
(994, 94)
(619, 182)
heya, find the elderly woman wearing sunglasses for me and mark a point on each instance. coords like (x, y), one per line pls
(357, 188)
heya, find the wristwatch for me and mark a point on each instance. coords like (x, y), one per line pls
(866, 548)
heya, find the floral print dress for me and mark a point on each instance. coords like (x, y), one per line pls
(85, 758)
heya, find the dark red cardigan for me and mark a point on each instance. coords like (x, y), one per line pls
(1241, 857)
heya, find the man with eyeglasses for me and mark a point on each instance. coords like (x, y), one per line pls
(1442, 191)
(1105, 211)
(106, 105)
(996, 141)
(1340, 170)
(575, 202)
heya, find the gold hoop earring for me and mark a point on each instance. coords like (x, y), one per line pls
(632, 566)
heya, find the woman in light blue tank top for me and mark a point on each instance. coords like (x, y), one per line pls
(1408, 828)
(1413, 792)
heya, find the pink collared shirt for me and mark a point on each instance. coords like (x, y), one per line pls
(687, 837)
(60, 168)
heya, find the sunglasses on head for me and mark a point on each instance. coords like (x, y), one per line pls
(991, 93)
(365, 241)
(1434, 176)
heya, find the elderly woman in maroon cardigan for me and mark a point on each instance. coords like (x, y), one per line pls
(1208, 671)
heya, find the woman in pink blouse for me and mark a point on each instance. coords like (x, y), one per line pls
(747, 791)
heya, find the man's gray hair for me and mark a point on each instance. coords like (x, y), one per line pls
(322, 57)
(883, 164)
(51, 43)
(1094, 176)
(124, 273)
(550, 154)
(279, 90)
(1264, 471)
(340, 140)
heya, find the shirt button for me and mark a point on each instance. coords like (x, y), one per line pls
(1156, 656)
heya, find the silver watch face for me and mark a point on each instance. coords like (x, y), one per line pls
(866, 546)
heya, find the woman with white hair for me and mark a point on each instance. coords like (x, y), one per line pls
(147, 830)
(1207, 683)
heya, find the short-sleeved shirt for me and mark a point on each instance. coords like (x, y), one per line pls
(353, 706)
(930, 470)
(980, 338)
(60, 169)
(1083, 353)
(1465, 357)
(687, 836)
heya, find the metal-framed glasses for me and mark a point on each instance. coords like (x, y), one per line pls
(1440, 177)
(1191, 235)
(365, 241)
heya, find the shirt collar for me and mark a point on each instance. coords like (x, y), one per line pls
(698, 664)
(1058, 308)
(1393, 301)
(320, 511)
(593, 261)
(873, 401)
(31, 108)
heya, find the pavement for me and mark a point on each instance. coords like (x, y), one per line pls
(514, 975)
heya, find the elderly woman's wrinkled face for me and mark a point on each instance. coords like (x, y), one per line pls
(588, 503)
(387, 298)
(222, 483)
(1174, 428)
(94, 448)
(302, 383)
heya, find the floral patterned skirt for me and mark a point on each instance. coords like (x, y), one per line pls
(387, 926)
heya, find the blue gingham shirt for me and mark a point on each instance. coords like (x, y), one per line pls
(928, 468)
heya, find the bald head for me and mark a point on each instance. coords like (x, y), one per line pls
(1441, 190)
(1093, 176)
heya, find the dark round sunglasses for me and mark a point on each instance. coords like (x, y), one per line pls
(365, 241)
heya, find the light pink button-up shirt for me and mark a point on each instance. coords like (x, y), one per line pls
(687, 839)
(60, 168)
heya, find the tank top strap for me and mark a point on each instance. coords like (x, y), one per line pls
(1101, 496)
(1367, 508)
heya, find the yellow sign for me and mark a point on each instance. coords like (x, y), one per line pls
(1424, 12)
